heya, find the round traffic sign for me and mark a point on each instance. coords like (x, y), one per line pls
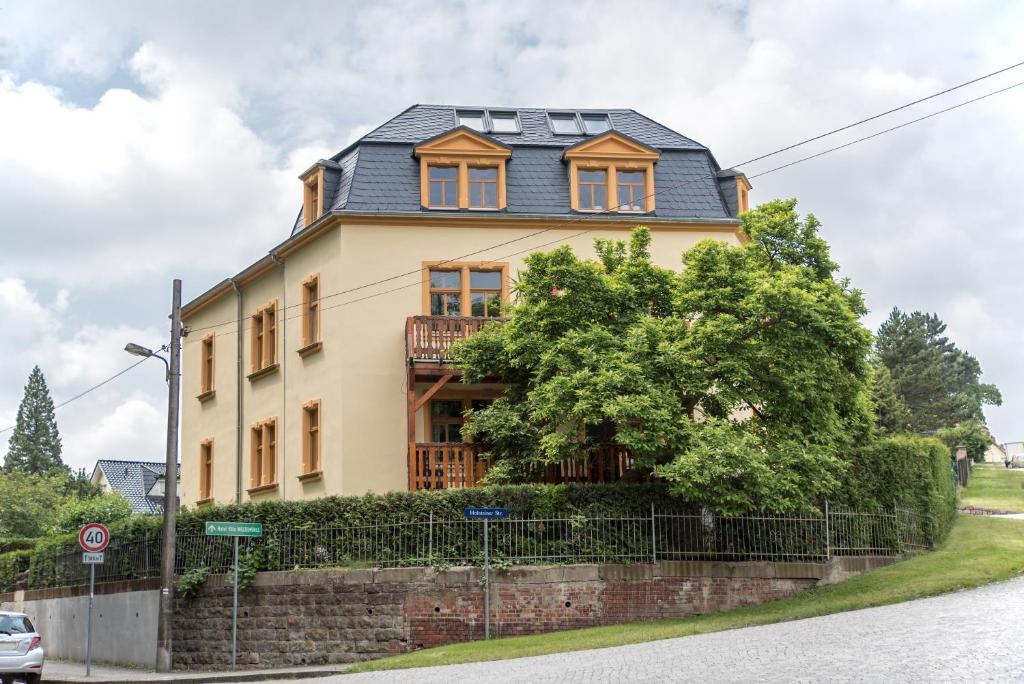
(94, 537)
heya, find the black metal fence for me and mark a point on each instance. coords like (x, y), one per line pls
(512, 541)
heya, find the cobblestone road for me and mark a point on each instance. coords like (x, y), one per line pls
(973, 636)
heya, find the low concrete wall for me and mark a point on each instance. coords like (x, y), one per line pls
(123, 627)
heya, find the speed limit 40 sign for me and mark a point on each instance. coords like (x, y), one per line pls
(93, 538)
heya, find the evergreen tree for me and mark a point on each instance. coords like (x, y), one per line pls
(34, 447)
(940, 384)
(891, 413)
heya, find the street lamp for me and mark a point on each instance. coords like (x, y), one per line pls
(163, 648)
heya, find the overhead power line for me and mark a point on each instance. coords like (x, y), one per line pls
(85, 392)
(590, 216)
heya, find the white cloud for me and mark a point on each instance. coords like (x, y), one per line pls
(193, 135)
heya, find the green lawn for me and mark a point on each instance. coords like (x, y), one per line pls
(995, 488)
(979, 550)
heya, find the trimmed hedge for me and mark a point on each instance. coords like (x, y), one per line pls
(17, 544)
(12, 564)
(907, 471)
(524, 501)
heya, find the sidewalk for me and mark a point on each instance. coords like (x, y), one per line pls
(58, 672)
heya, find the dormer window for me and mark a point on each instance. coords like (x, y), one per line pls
(462, 170)
(611, 172)
(593, 187)
(631, 190)
(483, 188)
(444, 185)
(565, 124)
(312, 195)
(596, 123)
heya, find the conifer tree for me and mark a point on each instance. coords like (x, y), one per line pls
(34, 447)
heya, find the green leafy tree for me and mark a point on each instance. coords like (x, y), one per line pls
(29, 503)
(34, 446)
(891, 413)
(106, 508)
(971, 434)
(737, 380)
(940, 384)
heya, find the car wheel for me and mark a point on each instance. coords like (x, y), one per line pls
(33, 678)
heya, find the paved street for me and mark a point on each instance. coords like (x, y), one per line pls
(968, 636)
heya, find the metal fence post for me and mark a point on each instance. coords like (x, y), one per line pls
(430, 538)
(654, 537)
(828, 538)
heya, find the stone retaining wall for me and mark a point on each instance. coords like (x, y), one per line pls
(344, 616)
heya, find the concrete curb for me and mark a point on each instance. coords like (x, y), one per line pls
(191, 677)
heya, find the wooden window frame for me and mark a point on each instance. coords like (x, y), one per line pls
(263, 440)
(483, 195)
(207, 366)
(312, 195)
(465, 397)
(611, 152)
(639, 187)
(444, 183)
(263, 340)
(462, 148)
(312, 448)
(206, 469)
(582, 185)
(465, 267)
(311, 331)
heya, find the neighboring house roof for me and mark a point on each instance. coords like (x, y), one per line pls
(378, 173)
(133, 480)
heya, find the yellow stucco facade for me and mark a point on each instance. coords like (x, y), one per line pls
(360, 372)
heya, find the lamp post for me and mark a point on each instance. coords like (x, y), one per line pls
(163, 649)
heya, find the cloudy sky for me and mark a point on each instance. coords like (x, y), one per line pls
(131, 133)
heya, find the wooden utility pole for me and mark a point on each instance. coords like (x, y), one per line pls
(164, 627)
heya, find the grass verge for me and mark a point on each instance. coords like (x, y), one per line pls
(994, 488)
(979, 550)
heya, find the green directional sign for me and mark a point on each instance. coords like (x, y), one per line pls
(233, 529)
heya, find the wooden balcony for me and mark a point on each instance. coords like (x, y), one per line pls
(451, 465)
(429, 339)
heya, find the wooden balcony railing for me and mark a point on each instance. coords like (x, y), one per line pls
(449, 465)
(445, 465)
(429, 338)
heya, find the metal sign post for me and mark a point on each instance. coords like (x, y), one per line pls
(235, 530)
(93, 538)
(486, 514)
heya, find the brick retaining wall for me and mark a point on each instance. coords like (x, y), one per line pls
(343, 616)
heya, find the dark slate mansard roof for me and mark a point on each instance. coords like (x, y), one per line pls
(378, 173)
(133, 479)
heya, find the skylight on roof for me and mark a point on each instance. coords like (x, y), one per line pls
(472, 119)
(504, 122)
(596, 123)
(565, 124)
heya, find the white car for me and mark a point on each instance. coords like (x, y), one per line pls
(21, 650)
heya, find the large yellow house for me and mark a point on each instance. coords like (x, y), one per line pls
(322, 368)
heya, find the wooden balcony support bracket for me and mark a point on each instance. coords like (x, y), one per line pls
(434, 389)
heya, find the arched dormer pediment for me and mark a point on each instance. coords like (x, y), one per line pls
(611, 172)
(462, 169)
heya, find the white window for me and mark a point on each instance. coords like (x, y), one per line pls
(596, 123)
(565, 124)
(472, 119)
(504, 122)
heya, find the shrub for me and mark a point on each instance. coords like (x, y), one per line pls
(8, 544)
(107, 508)
(906, 471)
(12, 564)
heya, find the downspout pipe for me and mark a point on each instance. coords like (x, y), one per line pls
(282, 325)
(238, 391)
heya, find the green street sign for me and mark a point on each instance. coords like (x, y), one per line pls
(233, 529)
